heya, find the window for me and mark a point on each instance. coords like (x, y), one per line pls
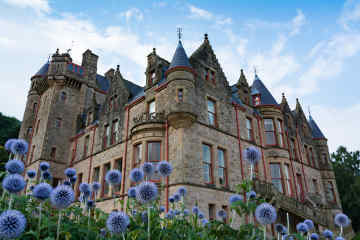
(330, 192)
(315, 186)
(106, 137)
(222, 167)
(58, 122)
(207, 163)
(269, 131)
(211, 211)
(151, 108)
(86, 146)
(154, 156)
(276, 176)
(293, 149)
(280, 132)
(152, 78)
(206, 74)
(118, 166)
(55, 182)
(29, 131)
(106, 187)
(211, 106)
(53, 153)
(256, 100)
(115, 132)
(213, 76)
(250, 133)
(287, 179)
(137, 155)
(37, 126)
(96, 175)
(110, 104)
(115, 102)
(180, 95)
(34, 107)
(299, 186)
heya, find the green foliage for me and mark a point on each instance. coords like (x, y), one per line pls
(9, 128)
(347, 172)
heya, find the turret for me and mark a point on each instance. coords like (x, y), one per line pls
(243, 88)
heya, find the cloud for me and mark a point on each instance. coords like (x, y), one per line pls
(350, 14)
(297, 22)
(199, 13)
(133, 13)
(40, 6)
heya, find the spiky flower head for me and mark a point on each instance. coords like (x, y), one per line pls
(62, 196)
(132, 192)
(31, 187)
(31, 173)
(221, 214)
(12, 224)
(9, 143)
(162, 209)
(117, 222)
(186, 212)
(86, 194)
(182, 191)
(251, 195)
(95, 186)
(176, 212)
(302, 227)
(42, 191)
(327, 234)
(46, 175)
(20, 146)
(204, 222)
(176, 197)
(44, 166)
(195, 210)
(13, 183)
(314, 236)
(90, 204)
(84, 187)
(164, 168)
(341, 220)
(70, 172)
(136, 175)
(148, 169)
(146, 192)
(201, 215)
(113, 177)
(171, 199)
(265, 214)
(73, 179)
(339, 238)
(280, 228)
(252, 155)
(67, 183)
(309, 224)
(15, 166)
(235, 198)
(133, 212)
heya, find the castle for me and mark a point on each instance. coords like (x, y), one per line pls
(189, 115)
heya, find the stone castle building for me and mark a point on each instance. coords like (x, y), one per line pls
(187, 114)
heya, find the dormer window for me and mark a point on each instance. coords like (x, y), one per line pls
(152, 77)
(256, 100)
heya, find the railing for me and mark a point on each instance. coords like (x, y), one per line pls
(146, 117)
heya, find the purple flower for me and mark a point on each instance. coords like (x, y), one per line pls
(13, 183)
(62, 196)
(148, 169)
(195, 210)
(31, 173)
(251, 195)
(12, 224)
(46, 175)
(186, 212)
(9, 143)
(20, 146)
(314, 236)
(162, 209)
(252, 155)
(309, 224)
(42, 191)
(103, 232)
(136, 175)
(15, 166)
(146, 192)
(182, 191)
(341, 220)
(84, 187)
(204, 222)
(235, 199)
(117, 222)
(132, 192)
(176, 197)
(221, 214)
(327, 234)
(201, 215)
(171, 199)
(95, 186)
(280, 228)
(113, 177)
(169, 215)
(302, 227)
(144, 217)
(73, 179)
(67, 183)
(90, 204)
(265, 214)
(164, 168)
(44, 166)
(339, 238)
(70, 172)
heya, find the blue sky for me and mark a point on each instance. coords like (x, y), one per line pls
(307, 49)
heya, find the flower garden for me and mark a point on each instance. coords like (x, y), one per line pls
(44, 212)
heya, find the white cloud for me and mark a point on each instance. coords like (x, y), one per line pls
(297, 22)
(199, 13)
(40, 6)
(350, 14)
(133, 13)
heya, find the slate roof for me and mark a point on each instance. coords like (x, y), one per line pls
(180, 58)
(102, 83)
(135, 90)
(315, 130)
(43, 70)
(259, 87)
(234, 95)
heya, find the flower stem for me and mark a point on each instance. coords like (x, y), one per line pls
(123, 236)
(148, 208)
(265, 232)
(39, 224)
(341, 231)
(58, 226)
(10, 201)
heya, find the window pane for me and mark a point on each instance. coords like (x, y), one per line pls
(206, 172)
(277, 184)
(211, 118)
(248, 124)
(275, 170)
(206, 153)
(269, 125)
(152, 107)
(279, 126)
(138, 153)
(106, 185)
(211, 106)
(153, 151)
(270, 138)
(221, 158)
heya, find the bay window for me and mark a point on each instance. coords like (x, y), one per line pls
(276, 178)
(269, 131)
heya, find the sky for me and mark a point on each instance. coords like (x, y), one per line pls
(306, 49)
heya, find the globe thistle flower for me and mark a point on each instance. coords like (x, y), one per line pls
(132, 192)
(62, 196)
(327, 234)
(195, 210)
(309, 224)
(42, 191)
(162, 209)
(171, 199)
(95, 186)
(164, 168)
(46, 175)
(302, 227)
(144, 217)
(13, 183)
(280, 228)
(251, 195)
(67, 183)
(176, 212)
(314, 236)
(117, 222)
(32, 188)
(339, 238)
(15, 166)
(136, 175)
(204, 222)
(31, 173)
(252, 155)
(113, 177)
(168, 215)
(86, 194)
(265, 214)
(176, 197)
(148, 169)
(341, 220)
(182, 191)
(221, 214)
(90, 204)
(186, 212)
(201, 215)
(12, 224)
(44, 166)
(146, 192)
(20, 146)
(73, 179)
(70, 172)
(235, 198)
(84, 187)
(9, 143)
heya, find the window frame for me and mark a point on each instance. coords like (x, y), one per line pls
(180, 90)
(287, 179)
(280, 133)
(273, 132)
(281, 178)
(214, 114)
(117, 166)
(53, 153)
(315, 185)
(225, 167)
(63, 96)
(35, 106)
(104, 184)
(332, 188)
(106, 136)
(153, 161)
(86, 146)
(250, 130)
(299, 183)
(293, 149)
(210, 164)
(58, 122)
(151, 114)
(114, 132)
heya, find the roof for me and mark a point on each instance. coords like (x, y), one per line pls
(180, 58)
(102, 83)
(135, 90)
(315, 130)
(43, 70)
(258, 87)
(234, 95)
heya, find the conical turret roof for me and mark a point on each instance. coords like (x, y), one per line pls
(258, 87)
(180, 58)
(43, 70)
(315, 130)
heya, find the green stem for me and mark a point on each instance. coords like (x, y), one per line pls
(123, 236)
(58, 226)
(39, 224)
(265, 232)
(88, 224)
(148, 229)
(10, 201)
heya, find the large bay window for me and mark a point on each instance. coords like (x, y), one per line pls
(269, 131)
(207, 163)
(276, 178)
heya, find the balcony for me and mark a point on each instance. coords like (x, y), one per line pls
(147, 121)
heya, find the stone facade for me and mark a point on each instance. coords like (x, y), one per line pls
(76, 117)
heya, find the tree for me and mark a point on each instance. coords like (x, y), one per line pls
(347, 172)
(9, 128)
